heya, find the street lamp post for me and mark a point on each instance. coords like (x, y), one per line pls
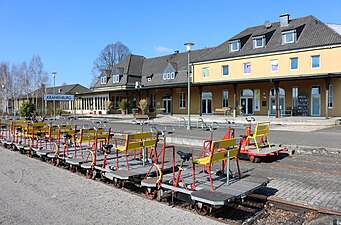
(54, 92)
(188, 46)
(5, 97)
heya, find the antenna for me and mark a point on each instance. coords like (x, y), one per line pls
(267, 24)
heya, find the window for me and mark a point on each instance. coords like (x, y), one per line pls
(274, 65)
(182, 100)
(258, 42)
(168, 76)
(330, 97)
(205, 72)
(149, 79)
(59, 90)
(294, 97)
(315, 62)
(225, 99)
(288, 37)
(294, 63)
(103, 80)
(234, 46)
(116, 78)
(225, 70)
(152, 101)
(247, 68)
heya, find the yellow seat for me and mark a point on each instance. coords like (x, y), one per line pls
(260, 136)
(220, 151)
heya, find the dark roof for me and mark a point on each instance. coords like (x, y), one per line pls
(131, 65)
(311, 32)
(64, 89)
(154, 68)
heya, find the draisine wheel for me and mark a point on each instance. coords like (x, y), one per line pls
(202, 209)
(254, 159)
(73, 169)
(89, 174)
(151, 193)
(118, 183)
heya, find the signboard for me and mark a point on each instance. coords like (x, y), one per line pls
(48, 97)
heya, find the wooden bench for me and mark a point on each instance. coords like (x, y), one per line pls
(260, 136)
(220, 151)
(225, 111)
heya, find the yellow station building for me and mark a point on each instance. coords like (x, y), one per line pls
(288, 67)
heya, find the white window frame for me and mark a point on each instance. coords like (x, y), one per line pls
(182, 100)
(273, 62)
(311, 63)
(237, 46)
(223, 99)
(284, 36)
(255, 42)
(172, 75)
(244, 68)
(330, 97)
(104, 80)
(203, 72)
(149, 79)
(164, 76)
(116, 78)
(291, 63)
(222, 70)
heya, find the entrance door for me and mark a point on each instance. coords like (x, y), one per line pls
(206, 103)
(315, 101)
(246, 102)
(273, 100)
(167, 103)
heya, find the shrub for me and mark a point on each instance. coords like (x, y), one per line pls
(143, 105)
(27, 109)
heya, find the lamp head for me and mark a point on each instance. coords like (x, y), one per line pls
(54, 74)
(189, 45)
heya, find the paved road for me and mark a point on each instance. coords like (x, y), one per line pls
(326, 138)
(33, 192)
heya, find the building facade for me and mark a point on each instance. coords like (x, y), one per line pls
(289, 67)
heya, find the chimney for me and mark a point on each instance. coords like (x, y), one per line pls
(284, 20)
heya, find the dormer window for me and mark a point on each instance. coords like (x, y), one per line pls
(103, 80)
(116, 78)
(258, 42)
(169, 76)
(288, 37)
(59, 90)
(149, 79)
(234, 46)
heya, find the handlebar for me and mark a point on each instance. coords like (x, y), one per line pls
(213, 126)
(162, 132)
(251, 119)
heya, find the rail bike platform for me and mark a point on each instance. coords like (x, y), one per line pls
(223, 193)
(256, 155)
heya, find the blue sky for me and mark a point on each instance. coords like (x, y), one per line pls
(68, 35)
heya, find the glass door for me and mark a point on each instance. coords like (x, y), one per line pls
(206, 103)
(167, 103)
(315, 101)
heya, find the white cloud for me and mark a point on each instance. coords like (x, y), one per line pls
(163, 49)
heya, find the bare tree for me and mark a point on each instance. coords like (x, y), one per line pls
(25, 79)
(5, 81)
(36, 73)
(108, 58)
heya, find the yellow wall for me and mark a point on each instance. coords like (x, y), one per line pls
(260, 65)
